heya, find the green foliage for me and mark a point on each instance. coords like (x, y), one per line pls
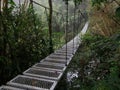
(88, 39)
(98, 2)
(5, 69)
(101, 85)
(58, 40)
(117, 13)
(23, 40)
(77, 2)
(100, 57)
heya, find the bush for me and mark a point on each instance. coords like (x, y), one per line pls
(23, 40)
(101, 58)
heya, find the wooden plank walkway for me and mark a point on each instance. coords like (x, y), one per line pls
(46, 74)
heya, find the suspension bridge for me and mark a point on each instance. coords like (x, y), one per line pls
(47, 73)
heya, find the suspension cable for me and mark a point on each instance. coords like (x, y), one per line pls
(66, 29)
(63, 23)
(34, 22)
(46, 14)
(74, 23)
(74, 29)
(72, 35)
(78, 26)
(81, 13)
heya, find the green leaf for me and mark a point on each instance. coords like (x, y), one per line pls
(97, 2)
(11, 2)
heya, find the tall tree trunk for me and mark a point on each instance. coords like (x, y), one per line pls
(50, 27)
(5, 6)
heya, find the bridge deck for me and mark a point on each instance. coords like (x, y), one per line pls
(46, 74)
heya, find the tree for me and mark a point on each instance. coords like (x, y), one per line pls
(50, 27)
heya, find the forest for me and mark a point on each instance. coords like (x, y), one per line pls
(30, 30)
(26, 36)
(97, 61)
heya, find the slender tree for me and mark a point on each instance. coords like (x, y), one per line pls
(50, 27)
(5, 7)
